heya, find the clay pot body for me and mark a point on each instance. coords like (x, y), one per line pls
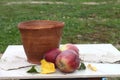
(39, 36)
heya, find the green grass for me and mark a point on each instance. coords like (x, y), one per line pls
(83, 23)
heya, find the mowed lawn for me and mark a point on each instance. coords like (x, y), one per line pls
(86, 21)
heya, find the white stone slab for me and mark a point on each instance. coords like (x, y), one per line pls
(103, 69)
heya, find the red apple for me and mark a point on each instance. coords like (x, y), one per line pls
(51, 55)
(67, 61)
(69, 46)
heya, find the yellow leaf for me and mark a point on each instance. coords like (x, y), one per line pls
(47, 67)
(93, 68)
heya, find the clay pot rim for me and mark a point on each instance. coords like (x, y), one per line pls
(49, 24)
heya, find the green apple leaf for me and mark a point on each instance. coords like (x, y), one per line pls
(33, 70)
(82, 66)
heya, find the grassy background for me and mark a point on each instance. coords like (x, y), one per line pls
(96, 22)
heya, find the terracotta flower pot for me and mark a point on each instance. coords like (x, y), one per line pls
(39, 36)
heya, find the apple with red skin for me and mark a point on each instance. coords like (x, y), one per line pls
(51, 55)
(67, 61)
(69, 46)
